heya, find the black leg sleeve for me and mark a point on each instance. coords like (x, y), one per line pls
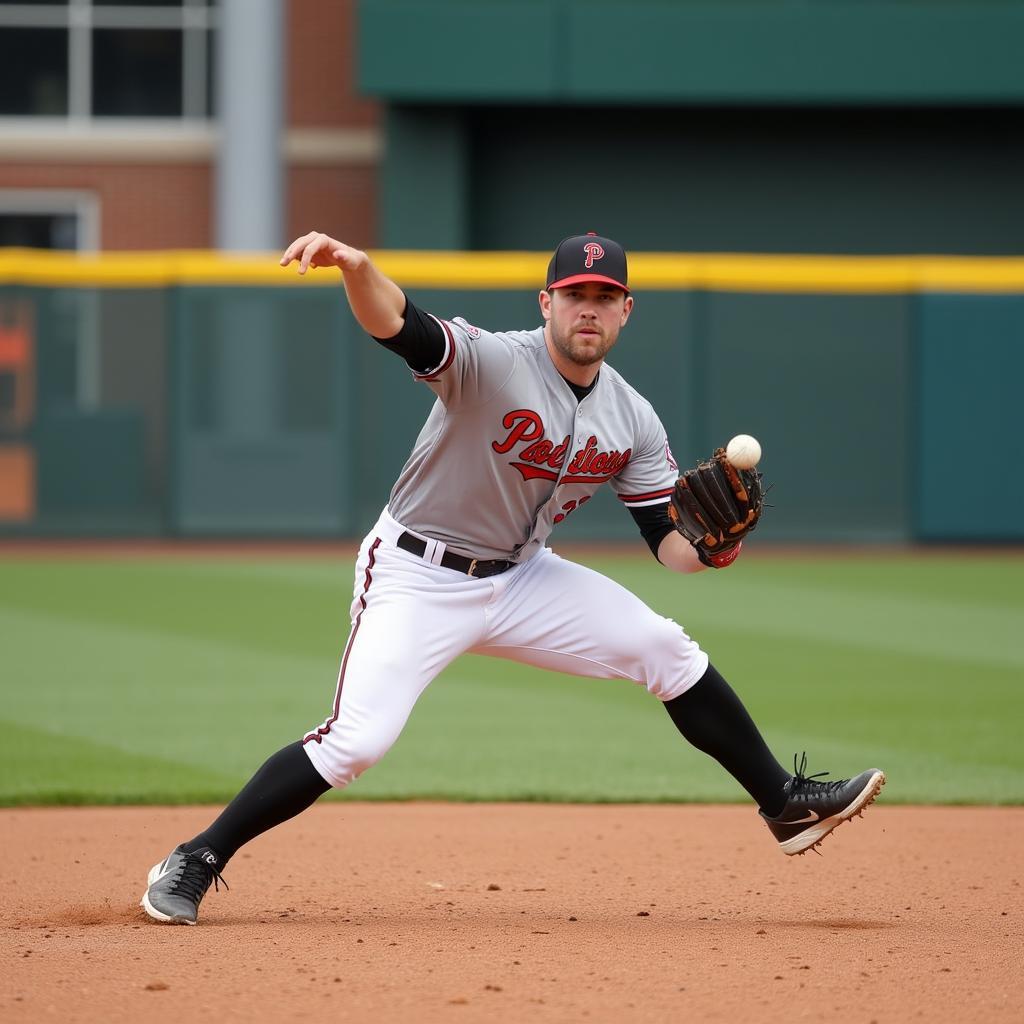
(714, 720)
(285, 785)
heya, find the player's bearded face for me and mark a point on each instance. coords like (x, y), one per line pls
(585, 319)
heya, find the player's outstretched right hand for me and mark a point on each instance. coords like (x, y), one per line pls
(319, 250)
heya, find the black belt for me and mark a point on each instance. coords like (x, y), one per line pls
(476, 567)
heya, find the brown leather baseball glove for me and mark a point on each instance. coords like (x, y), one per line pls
(714, 506)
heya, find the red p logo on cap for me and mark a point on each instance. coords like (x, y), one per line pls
(594, 251)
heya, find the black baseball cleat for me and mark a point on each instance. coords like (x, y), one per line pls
(177, 885)
(813, 809)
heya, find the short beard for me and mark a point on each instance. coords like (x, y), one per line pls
(562, 343)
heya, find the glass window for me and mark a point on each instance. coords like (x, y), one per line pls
(33, 71)
(211, 73)
(135, 53)
(39, 230)
(136, 72)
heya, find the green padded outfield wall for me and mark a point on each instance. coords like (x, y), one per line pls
(99, 395)
(886, 393)
(825, 382)
(969, 452)
(265, 416)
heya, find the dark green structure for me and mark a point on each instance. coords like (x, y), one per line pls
(692, 51)
(726, 126)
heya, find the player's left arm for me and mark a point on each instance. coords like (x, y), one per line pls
(666, 544)
(677, 553)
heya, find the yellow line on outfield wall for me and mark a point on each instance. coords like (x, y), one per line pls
(525, 270)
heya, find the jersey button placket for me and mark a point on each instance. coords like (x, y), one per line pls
(577, 432)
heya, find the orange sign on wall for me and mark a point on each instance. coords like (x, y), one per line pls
(17, 365)
(17, 483)
(17, 409)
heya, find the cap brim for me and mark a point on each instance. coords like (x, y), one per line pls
(582, 278)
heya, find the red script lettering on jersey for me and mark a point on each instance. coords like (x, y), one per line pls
(541, 459)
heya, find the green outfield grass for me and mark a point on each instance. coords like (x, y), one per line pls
(170, 679)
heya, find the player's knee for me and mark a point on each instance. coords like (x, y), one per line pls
(671, 657)
(348, 755)
(665, 639)
(368, 752)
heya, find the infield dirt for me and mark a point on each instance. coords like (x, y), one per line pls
(521, 913)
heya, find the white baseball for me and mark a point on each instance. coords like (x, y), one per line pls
(743, 451)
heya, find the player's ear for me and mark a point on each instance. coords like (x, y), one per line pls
(627, 308)
(544, 298)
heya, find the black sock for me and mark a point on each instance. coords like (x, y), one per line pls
(713, 719)
(286, 784)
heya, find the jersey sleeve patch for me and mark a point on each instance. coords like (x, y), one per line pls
(449, 353)
(473, 332)
(670, 458)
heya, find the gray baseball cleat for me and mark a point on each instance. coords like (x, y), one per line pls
(813, 809)
(177, 885)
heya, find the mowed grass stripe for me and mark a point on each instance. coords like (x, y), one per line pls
(212, 665)
(933, 628)
(945, 736)
(957, 609)
(216, 601)
(213, 704)
(67, 769)
(981, 579)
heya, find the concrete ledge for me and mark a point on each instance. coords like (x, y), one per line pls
(147, 141)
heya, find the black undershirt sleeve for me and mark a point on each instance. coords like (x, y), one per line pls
(654, 524)
(420, 342)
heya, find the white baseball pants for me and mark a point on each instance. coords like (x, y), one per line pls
(411, 618)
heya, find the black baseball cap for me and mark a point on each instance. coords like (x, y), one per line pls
(588, 257)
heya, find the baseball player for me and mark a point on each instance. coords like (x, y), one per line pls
(526, 426)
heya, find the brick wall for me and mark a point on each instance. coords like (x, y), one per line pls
(339, 200)
(142, 206)
(321, 61)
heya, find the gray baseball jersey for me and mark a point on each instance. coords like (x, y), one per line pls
(508, 452)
